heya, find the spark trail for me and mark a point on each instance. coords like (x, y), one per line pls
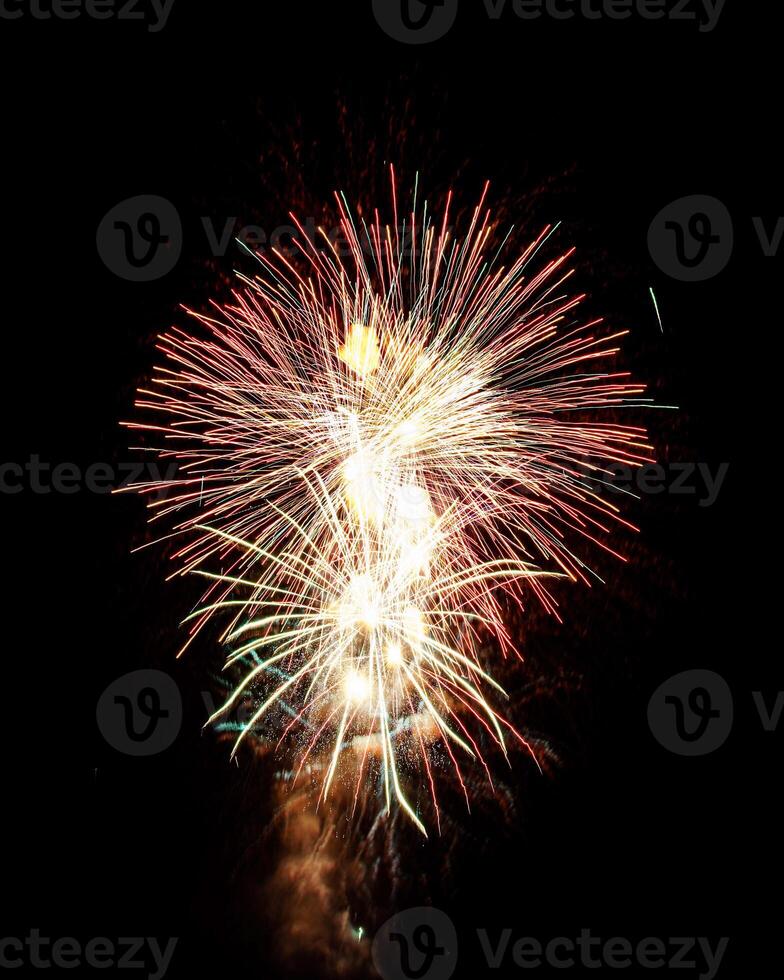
(379, 447)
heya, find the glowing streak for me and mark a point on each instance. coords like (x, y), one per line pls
(378, 451)
(656, 307)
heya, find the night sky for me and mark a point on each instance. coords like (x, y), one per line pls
(244, 111)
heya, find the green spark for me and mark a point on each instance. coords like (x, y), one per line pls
(656, 307)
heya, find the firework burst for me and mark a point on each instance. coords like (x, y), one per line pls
(380, 441)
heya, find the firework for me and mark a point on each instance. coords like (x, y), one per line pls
(379, 445)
